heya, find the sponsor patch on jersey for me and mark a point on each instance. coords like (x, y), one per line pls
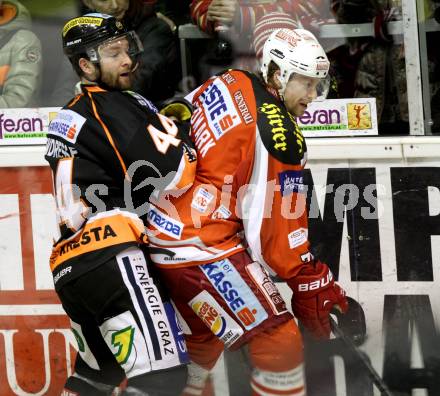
(67, 125)
(267, 287)
(96, 236)
(291, 181)
(216, 318)
(237, 294)
(277, 123)
(219, 108)
(200, 132)
(143, 101)
(164, 223)
(229, 78)
(280, 133)
(177, 332)
(201, 200)
(297, 238)
(124, 338)
(58, 149)
(243, 107)
(222, 212)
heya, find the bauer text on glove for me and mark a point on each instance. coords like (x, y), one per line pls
(315, 293)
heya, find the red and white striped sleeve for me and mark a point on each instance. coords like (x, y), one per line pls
(199, 15)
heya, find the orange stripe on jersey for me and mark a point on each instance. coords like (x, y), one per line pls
(107, 132)
(97, 234)
(187, 174)
(75, 99)
(271, 391)
(95, 88)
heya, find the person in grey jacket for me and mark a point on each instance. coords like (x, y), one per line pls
(20, 57)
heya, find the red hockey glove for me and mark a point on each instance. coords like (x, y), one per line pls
(314, 295)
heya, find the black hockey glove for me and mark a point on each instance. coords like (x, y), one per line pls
(178, 109)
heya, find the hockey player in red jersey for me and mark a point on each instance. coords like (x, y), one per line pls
(101, 147)
(246, 214)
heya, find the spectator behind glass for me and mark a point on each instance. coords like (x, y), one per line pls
(263, 29)
(216, 15)
(157, 75)
(234, 21)
(373, 67)
(177, 11)
(20, 57)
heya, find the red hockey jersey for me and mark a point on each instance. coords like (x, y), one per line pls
(249, 190)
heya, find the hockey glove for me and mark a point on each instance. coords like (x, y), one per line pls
(314, 295)
(178, 109)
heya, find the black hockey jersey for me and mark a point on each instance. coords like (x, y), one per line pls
(110, 153)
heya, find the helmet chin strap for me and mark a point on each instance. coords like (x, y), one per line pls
(97, 79)
(281, 93)
(275, 91)
(136, 65)
(282, 89)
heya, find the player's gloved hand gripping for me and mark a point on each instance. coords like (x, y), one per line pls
(178, 109)
(315, 293)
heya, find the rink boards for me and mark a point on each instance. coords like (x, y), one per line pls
(375, 218)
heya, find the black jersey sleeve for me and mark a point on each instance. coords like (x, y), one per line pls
(153, 152)
(160, 149)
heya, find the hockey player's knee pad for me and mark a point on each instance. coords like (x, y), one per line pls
(277, 349)
(77, 386)
(160, 383)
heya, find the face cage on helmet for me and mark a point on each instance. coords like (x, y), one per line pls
(135, 47)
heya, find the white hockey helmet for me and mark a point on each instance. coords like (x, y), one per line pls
(296, 51)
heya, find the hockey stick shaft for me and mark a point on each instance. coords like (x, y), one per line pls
(372, 373)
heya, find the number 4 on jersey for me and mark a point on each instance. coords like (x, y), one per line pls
(163, 140)
(72, 211)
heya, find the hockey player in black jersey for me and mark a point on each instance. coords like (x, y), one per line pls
(111, 151)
